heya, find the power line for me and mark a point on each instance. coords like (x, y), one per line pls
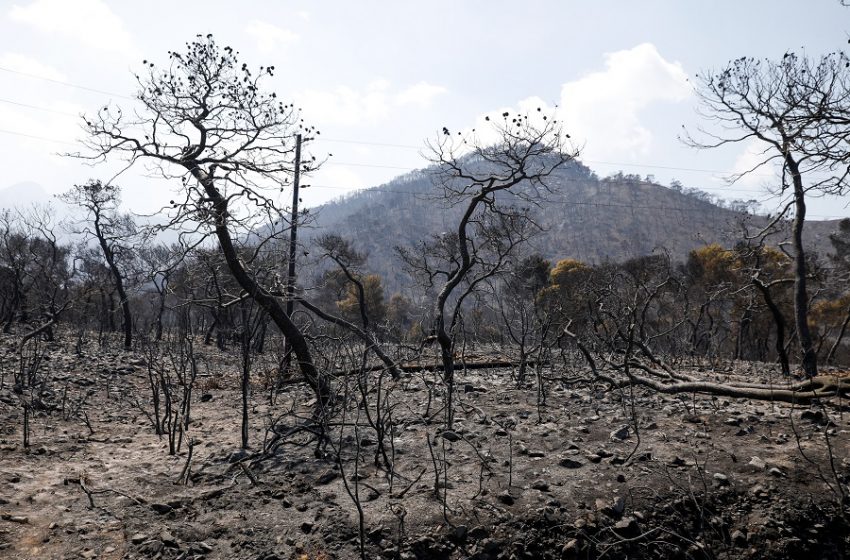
(719, 189)
(25, 135)
(596, 162)
(371, 165)
(579, 203)
(66, 84)
(46, 139)
(366, 143)
(380, 144)
(401, 146)
(37, 108)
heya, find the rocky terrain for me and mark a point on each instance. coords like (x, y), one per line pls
(588, 474)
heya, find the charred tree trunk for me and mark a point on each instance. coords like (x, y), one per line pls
(779, 321)
(801, 299)
(117, 277)
(264, 299)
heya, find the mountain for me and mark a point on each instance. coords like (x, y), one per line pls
(586, 218)
(23, 195)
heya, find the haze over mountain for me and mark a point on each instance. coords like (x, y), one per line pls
(24, 194)
(587, 218)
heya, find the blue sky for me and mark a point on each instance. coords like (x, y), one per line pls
(379, 78)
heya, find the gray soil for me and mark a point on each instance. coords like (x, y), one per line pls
(590, 474)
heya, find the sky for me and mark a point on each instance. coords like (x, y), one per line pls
(379, 78)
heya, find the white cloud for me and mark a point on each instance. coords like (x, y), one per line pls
(348, 106)
(420, 95)
(270, 37)
(748, 167)
(345, 105)
(28, 65)
(603, 108)
(90, 22)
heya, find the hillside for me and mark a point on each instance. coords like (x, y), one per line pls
(586, 218)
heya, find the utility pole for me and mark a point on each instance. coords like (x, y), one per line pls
(293, 230)
(293, 242)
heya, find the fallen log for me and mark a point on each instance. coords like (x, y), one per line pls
(412, 368)
(802, 393)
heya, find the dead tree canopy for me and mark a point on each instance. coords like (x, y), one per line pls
(637, 324)
(206, 120)
(494, 176)
(113, 233)
(795, 111)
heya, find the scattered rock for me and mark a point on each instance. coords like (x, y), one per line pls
(460, 532)
(618, 460)
(721, 479)
(506, 498)
(152, 548)
(327, 476)
(627, 528)
(757, 464)
(168, 539)
(815, 416)
(611, 509)
(541, 485)
(569, 463)
(739, 538)
(641, 457)
(162, 509)
(570, 549)
(492, 546)
(450, 435)
(775, 472)
(376, 534)
(620, 433)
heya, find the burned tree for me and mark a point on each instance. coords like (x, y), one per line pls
(206, 120)
(489, 181)
(795, 110)
(343, 254)
(113, 232)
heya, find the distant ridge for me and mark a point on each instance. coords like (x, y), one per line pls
(586, 218)
(24, 194)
